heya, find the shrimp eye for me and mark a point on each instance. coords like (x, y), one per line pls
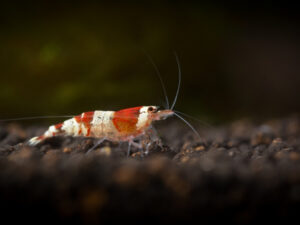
(151, 109)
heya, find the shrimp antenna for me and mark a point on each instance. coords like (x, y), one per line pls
(160, 79)
(187, 123)
(179, 80)
(194, 118)
(34, 117)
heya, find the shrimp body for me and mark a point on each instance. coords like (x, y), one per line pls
(122, 125)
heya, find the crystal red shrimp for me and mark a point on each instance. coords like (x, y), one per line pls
(123, 125)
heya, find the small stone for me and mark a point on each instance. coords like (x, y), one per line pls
(184, 159)
(186, 145)
(125, 175)
(67, 150)
(279, 155)
(263, 135)
(231, 153)
(136, 154)
(200, 148)
(295, 156)
(232, 143)
(105, 151)
(277, 141)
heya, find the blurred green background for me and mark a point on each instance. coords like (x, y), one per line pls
(65, 58)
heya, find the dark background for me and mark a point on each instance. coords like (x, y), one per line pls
(238, 60)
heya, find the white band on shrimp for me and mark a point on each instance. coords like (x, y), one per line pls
(71, 126)
(143, 117)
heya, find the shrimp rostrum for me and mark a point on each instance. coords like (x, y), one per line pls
(125, 125)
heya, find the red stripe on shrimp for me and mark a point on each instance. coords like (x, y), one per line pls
(86, 119)
(78, 120)
(58, 126)
(125, 120)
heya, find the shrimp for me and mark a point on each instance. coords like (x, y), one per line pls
(124, 125)
(120, 126)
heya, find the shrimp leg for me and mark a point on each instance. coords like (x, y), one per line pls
(151, 137)
(99, 142)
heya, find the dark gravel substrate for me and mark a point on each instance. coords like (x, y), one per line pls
(244, 173)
